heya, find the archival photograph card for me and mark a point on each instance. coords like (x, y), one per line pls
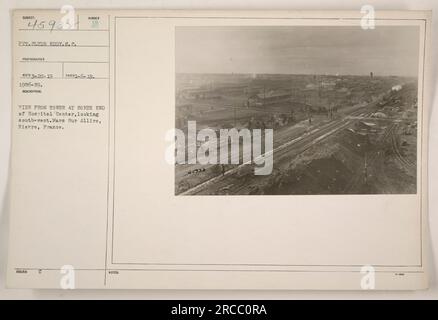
(273, 150)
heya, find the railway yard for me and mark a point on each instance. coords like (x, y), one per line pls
(332, 134)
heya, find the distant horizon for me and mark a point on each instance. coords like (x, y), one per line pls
(300, 74)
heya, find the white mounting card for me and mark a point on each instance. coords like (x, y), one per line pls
(219, 149)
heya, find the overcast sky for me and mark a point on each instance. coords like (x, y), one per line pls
(388, 50)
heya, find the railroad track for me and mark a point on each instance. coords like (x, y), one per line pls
(403, 161)
(371, 158)
(299, 144)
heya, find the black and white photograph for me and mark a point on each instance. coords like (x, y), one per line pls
(341, 103)
(215, 150)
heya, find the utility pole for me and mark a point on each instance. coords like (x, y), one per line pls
(366, 169)
(309, 113)
(235, 116)
(319, 88)
(291, 98)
